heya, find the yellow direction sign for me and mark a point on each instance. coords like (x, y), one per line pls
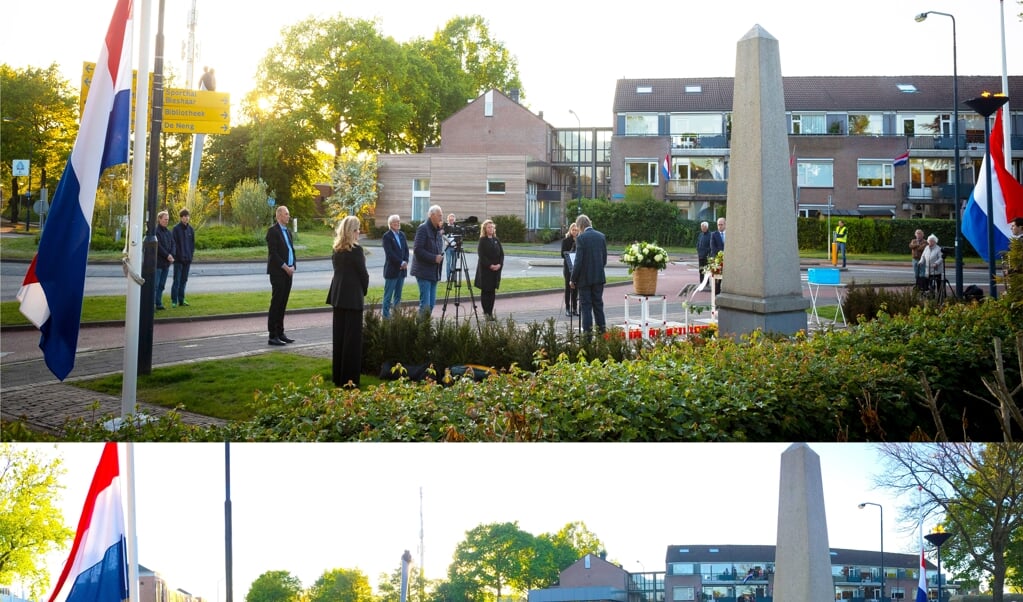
(184, 111)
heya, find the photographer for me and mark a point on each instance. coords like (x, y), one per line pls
(450, 230)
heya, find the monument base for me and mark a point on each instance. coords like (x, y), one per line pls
(739, 314)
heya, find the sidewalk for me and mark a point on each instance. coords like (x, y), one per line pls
(30, 393)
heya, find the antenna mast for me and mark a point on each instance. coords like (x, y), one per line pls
(422, 584)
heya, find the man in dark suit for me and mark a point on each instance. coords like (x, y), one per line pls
(395, 264)
(280, 265)
(588, 274)
(717, 243)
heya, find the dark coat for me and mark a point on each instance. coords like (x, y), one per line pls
(277, 249)
(567, 246)
(590, 258)
(703, 244)
(490, 253)
(184, 241)
(394, 253)
(350, 283)
(428, 245)
(165, 244)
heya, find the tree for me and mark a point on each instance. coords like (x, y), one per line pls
(340, 78)
(30, 524)
(341, 585)
(355, 188)
(250, 206)
(40, 121)
(275, 586)
(491, 558)
(483, 62)
(979, 490)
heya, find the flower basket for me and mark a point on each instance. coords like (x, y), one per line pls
(644, 281)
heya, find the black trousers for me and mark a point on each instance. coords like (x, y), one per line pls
(487, 299)
(347, 338)
(280, 290)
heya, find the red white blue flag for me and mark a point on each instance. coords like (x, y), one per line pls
(666, 167)
(1006, 196)
(51, 294)
(901, 159)
(98, 564)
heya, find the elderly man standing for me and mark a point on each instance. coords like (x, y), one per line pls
(703, 246)
(280, 266)
(395, 263)
(588, 274)
(428, 253)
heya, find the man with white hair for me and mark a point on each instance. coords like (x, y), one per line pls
(428, 253)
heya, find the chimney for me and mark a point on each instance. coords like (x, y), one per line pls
(514, 95)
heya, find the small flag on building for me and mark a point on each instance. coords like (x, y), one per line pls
(98, 563)
(901, 159)
(666, 167)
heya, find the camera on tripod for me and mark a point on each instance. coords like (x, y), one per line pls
(457, 231)
(947, 252)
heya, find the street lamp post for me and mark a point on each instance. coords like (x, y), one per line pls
(937, 539)
(579, 163)
(881, 509)
(985, 105)
(955, 135)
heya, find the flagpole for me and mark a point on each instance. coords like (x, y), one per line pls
(130, 532)
(135, 216)
(1007, 139)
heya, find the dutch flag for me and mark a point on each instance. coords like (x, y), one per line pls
(98, 564)
(921, 588)
(1006, 196)
(51, 294)
(901, 159)
(666, 167)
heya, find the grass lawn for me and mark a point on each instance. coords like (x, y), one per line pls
(221, 388)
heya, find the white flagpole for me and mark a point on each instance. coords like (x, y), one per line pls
(136, 217)
(1007, 139)
(129, 523)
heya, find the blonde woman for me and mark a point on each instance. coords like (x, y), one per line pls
(567, 252)
(347, 295)
(488, 267)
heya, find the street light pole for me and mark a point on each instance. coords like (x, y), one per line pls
(955, 135)
(881, 509)
(579, 163)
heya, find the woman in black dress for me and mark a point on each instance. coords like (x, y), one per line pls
(571, 294)
(488, 267)
(347, 293)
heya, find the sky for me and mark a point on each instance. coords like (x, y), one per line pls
(308, 508)
(570, 53)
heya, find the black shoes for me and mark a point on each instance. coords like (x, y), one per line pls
(276, 342)
(286, 339)
(161, 307)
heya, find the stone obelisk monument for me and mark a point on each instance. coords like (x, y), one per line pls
(802, 560)
(760, 286)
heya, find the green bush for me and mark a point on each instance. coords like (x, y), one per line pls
(865, 302)
(227, 237)
(510, 228)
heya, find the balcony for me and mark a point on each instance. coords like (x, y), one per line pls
(692, 190)
(693, 141)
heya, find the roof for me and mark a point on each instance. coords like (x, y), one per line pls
(754, 553)
(813, 93)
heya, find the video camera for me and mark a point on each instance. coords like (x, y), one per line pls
(457, 231)
(947, 252)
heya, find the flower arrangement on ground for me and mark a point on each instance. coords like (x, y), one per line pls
(645, 255)
(716, 263)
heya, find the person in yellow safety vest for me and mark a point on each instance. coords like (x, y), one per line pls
(841, 236)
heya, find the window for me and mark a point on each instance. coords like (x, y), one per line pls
(640, 125)
(541, 214)
(815, 173)
(898, 593)
(495, 187)
(683, 593)
(696, 123)
(641, 173)
(683, 568)
(920, 124)
(809, 123)
(420, 199)
(866, 124)
(875, 173)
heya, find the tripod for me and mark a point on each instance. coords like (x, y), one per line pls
(460, 272)
(939, 287)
